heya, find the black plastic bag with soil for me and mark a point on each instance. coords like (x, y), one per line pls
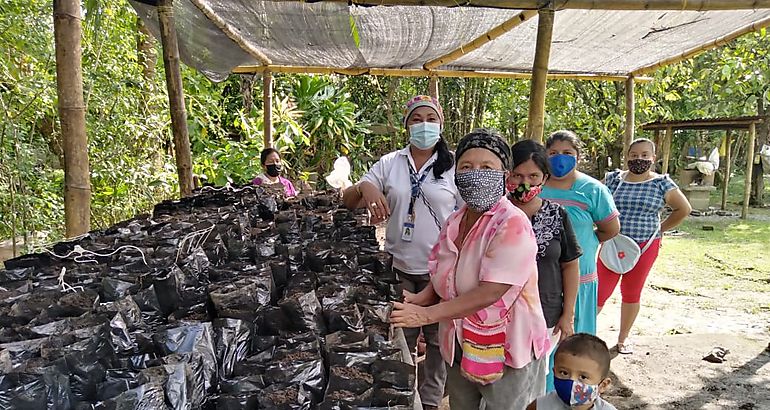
(146, 396)
(291, 397)
(196, 339)
(309, 375)
(353, 379)
(393, 374)
(114, 289)
(21, 391)
(243, 401)
(147, 300)
(233, 341)
(345, 400)
(304, 312)
(242, 298)
(344, 318)
(86, 362)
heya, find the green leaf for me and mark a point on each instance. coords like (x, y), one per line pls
(354, 32)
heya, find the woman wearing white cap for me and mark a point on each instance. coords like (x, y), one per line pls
(414, 190)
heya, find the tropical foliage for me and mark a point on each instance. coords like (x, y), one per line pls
(315, 118)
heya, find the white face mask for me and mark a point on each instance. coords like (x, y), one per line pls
(424, 135)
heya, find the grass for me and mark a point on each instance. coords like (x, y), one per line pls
(729, 264)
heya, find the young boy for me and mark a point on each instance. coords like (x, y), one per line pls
(581, 367)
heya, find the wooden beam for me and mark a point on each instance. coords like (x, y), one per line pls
(175, 96)
(481, 40)
(697, 5)
(728, 160)
(749, 169)
(72, 116)
(536, 118)
(433, 87)
(231, 32)
(402, 72)
(628, 135)
(657, 143)
(756, 26)
(267, 108)
(667, 149)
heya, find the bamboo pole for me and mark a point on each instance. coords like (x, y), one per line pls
(479, 41)
(72, 117)
(433, 87)
(231, 32)
(697, 5)
(628, 135)
(728, 159)
(536, 118)
(749, 169)
(756, 26)
(175, 96)
(267, 108)
(667, 149)
(398, 72)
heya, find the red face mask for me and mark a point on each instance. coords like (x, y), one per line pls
(524, 192)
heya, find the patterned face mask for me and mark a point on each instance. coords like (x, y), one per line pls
(639, 165)
(525, 192)
(480, 188)
(574, 392)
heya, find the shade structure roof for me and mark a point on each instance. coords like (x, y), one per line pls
(724, 123)
(218, 36)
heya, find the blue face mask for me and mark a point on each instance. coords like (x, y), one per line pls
(562, 164)
(575, 393)
(424, 135)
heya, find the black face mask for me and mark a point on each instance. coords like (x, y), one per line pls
(273, 170)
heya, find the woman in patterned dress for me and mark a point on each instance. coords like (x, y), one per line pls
(640, 199)
(558, 249)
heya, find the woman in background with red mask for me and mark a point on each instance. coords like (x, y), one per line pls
(558, 250)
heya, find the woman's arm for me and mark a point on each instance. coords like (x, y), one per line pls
(570, 281)
(425, 297)
(366, 195)
(484, 295)
(606, 230)
(680, 206)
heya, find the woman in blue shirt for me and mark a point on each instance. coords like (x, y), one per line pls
(593, 215)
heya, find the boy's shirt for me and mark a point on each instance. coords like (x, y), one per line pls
(551, 401)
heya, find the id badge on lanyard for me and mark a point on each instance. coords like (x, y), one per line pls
(407, 230)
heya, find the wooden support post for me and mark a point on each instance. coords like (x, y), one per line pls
(175, 96)
(267, 108)
(749, 169)
(667, 149)
(628, 136)
(536, 118)
(656, 140)
(433, 87)
(728, 160)
(72, 117)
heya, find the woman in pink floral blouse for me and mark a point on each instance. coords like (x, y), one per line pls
(483, 291)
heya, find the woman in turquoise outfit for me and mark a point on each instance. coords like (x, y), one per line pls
(593, 215)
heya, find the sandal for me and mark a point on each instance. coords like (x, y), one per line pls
(625, 348)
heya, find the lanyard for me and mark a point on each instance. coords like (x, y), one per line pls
(416, 184)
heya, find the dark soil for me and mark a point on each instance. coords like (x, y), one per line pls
(351, 373)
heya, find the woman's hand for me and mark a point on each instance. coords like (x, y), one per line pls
(426, 297)
(375, 202)
(566, 326)
(409, 315)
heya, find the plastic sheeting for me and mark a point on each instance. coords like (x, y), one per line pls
(320, 35)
